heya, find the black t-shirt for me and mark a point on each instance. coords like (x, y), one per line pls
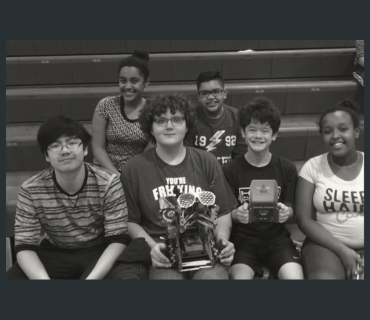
(150, 185)
(240, 173)
(221, 137)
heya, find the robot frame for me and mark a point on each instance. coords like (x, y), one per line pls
(190, 231)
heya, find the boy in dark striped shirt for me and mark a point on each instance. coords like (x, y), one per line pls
(80, 206)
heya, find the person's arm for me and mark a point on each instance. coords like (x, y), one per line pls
(361, 61)
(305, 213)
(360, 53)
(240, 214)
(115, 228)
(159, 260)
(99, 126)
(31, 265)
(285, 212)
(106, 261)
(27, 235)
(222, 234)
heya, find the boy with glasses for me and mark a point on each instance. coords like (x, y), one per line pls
(81, 208)
(216, 129)
(153, 179)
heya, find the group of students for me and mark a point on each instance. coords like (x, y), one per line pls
(104, 221)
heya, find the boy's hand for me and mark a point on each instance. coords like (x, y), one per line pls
(226, 255)
(284, 212)
(242, 213)
(159, 260)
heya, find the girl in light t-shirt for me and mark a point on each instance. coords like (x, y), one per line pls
(330, 199)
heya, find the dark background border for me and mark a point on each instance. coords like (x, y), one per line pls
(185, 300)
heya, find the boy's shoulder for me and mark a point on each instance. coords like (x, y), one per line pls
(101, 174)
(140, 162)
(39, 180)
(284, 163)
(201, 154)
(230, 109)
(283, 160)
(235, 164)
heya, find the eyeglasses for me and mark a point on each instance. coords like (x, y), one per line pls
(70, 146)
(205, 94)
(206, 198)
(176, 121)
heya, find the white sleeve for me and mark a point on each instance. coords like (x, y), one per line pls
(308, 171)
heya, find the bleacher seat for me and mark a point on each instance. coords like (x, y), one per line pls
(13, 72)
(101, 69)
(96, 69)
(48, 70)
(291, 141)
(301, 44)
(351, 43)
(20, 48)
(236, 45)
(152, 46)
(315, 97)
(76, 47)
(103, 46)
(240, 94)
(281, 44)
(37, 104)
(247, 65)
(57, 47)
(187, 66)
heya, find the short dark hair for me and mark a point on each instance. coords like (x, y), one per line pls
(159, 104)
(55, 127)
(261, 109)
(347, 105)
(139, 59)
(209, 76)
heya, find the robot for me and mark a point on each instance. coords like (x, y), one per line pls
(190, 231)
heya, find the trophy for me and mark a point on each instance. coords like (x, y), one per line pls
(263, 201)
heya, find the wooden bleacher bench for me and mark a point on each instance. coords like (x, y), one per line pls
(298, 140)
(99, 69)
(77, 47)
(28, 104)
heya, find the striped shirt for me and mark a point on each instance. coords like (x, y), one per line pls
(96, 213)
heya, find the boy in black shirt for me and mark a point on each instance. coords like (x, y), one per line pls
(262, 243)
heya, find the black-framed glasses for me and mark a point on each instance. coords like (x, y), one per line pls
(176, 121)
(205, 94)
(70, 146)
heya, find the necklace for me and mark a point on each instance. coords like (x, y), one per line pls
(351, 165)
(74, 203)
